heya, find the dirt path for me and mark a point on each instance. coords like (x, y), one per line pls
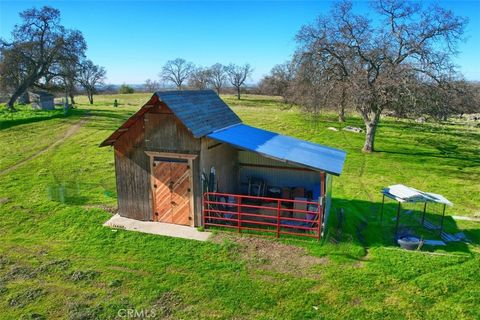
(71, 131)
(271, 255)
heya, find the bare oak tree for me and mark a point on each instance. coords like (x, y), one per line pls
(151, 85)
(90, 76)
(177, 72)
(378, 58)
(280, 80)
(320, 84)
(217, 76)
(237, 75)
(39, 45)
(199, 78)
(67, 79)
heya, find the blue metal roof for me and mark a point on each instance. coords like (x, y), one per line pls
(282, 148)
(201, 111)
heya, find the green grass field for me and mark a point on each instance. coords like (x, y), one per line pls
(57, 261)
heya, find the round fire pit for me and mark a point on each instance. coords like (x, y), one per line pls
(409, 243)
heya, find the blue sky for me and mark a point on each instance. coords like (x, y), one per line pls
(133, 39)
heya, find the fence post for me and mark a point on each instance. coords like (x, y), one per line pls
(279, 206)
(443, 218)
(320, 211)
(239, 223)
(399, 208)
(203, 211)
(423, 215)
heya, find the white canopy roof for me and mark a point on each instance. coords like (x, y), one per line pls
(403, 193)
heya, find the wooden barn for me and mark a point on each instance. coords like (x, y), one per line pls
(186, 158)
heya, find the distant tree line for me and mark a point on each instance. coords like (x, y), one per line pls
(399, 64)
(182, 74)
(44, 55)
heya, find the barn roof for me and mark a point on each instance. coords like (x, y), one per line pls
(282, 148)
(201, 111)
(205, 114)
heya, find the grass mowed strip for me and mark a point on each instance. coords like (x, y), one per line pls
(57, 261)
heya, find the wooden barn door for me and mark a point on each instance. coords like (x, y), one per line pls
(172, 182)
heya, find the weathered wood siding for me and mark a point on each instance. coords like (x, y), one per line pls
(160, 131)
(224, 158)
(165, 133)
(197, 193)
(274, 172)
(133, 174)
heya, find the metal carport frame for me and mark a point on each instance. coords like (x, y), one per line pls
(402, 193)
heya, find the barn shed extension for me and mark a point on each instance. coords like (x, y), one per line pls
(186, 158)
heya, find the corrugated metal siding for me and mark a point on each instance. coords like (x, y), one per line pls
(275, 177)
(254, 158)
(283, 148)
(224, 159)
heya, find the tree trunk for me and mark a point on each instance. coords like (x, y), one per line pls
(341, 112)
(371, 129)
(72, 98)
(238, 93)
(90, 97)
(65, 105)
(17, 93)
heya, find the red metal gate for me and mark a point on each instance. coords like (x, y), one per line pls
(279, 216)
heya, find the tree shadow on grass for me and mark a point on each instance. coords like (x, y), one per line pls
(115, 113)
(460, 156)
(15, 119)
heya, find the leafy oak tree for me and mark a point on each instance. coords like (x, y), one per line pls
(38, 48)
(377, 59)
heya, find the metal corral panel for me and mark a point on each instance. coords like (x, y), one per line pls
(201, 111)
(283, 148)
(254, 158)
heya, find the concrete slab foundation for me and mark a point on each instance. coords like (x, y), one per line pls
(160, 228)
